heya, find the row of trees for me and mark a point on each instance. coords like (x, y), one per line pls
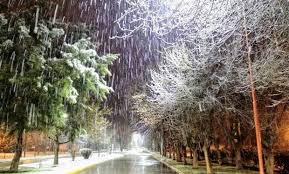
(199, 96)
(51, 78)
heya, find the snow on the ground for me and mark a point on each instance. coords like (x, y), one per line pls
(66, 165)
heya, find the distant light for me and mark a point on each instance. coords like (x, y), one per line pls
(65, 115)
(137, 140)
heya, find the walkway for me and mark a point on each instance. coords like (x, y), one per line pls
(31, 159)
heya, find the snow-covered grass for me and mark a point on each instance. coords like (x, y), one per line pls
(180, 168)
(66, 165)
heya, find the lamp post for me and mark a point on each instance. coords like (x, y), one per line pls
(254, 97)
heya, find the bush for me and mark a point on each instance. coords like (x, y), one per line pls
(85, 152)
(281, 162)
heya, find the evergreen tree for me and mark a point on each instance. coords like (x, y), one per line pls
(41, 92)
(76, 85)
(23, 49)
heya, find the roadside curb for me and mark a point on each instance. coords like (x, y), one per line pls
(83, 168)
(168, 165)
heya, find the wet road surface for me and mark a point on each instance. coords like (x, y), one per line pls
(131, 164)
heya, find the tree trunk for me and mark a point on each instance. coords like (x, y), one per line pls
(219, 156)
(73, 150)
(170, 152)
(230, 155)
(98, 148)
(179, 156)
(270, 163)
(184, 150)
(56, 152)
(121, 144)
(220, 162)
(164, 152)
(25, 144)
(207, 159)
(18, 151)
(163, 143)
(238, 158)
(195, 158)
(174, 154)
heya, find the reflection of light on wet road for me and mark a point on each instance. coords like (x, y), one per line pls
(132, 163)
(146, 161)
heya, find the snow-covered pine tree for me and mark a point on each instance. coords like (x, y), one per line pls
(78, 79)
(23, 53)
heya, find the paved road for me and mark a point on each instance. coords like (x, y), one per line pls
(131, 164)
